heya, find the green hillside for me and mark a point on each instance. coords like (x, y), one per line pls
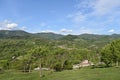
(20, 50)
(51, 36)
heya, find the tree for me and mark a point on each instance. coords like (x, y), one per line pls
(106, 55)
(111, 53)
(115, 49)
(39, 53)
(84, 54)
(61, 55)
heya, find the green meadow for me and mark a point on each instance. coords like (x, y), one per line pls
(81, 74)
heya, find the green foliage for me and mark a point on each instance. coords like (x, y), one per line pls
(24, 51)
(69, 37)
(111, 53)
(57, 66)
(106, 56)
(50, 36)
(67, 65)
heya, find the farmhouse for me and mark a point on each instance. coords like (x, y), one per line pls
(84, 63)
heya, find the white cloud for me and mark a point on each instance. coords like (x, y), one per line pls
(47, 31)
(111, 30)
(66, 30)
(8, 25)
(98, 7)
(102, 7)
(96, 15)
(84, 5)
(11, 25)
(43, 24)
(77, 17)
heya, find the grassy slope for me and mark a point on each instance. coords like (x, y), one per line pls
(82, 74)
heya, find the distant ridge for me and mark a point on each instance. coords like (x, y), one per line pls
(53, 36)
(49, 35)
(21, 33)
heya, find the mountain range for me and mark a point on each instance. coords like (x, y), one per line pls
(54, 36)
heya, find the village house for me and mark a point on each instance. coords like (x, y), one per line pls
(84, 63)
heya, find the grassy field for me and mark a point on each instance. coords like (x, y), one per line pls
(82, 74)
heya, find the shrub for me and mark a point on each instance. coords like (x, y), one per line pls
(67, 65)
(57, 67)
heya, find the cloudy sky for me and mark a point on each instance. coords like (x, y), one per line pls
(61, 16)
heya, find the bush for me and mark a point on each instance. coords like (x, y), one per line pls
(67, 65)
(57, 67)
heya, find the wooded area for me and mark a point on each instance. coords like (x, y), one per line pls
(29, 51)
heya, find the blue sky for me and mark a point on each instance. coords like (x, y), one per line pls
(61, 16)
